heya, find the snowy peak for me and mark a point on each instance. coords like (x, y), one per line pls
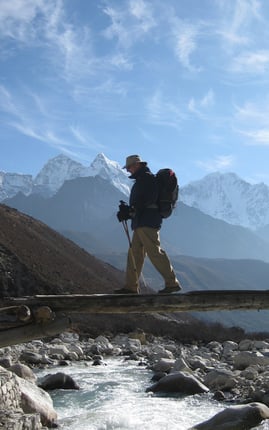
(60, 169)
(227, 197)
(55, 172)
(111, 171)
(12, 183)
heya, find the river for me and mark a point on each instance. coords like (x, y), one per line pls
(113, 397)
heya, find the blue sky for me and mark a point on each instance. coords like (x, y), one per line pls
(183, 83)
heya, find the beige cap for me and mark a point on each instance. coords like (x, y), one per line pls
(132, 159)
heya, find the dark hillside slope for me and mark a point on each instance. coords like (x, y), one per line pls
(53, 263)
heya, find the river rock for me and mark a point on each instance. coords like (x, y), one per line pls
(126, 343)
(158, 352)
(104, 345)
(241, 417)
(163, 365)
(260, 344)
(138, 334)
(59, 351)
(245, 345)
(6, 362)
(157, 376)
(180, 365)
(69, 337)
(31, 357)
(245, 359)
(229, 346)
(215, 347)
(250, 373)
(223, 380)
(179, 383)
(58, 381)
(36, 400)
(18, 420)
(23, 371)
(77, 349)
(197, 362)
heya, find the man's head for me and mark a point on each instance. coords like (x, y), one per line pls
(133, 163)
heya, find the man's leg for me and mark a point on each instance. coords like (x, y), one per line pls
(151, 240)
(135, 261)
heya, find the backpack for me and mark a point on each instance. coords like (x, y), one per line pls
(168, 191)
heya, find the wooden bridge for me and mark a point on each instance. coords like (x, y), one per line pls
(27, 318)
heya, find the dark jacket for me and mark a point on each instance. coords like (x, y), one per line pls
(143, 198)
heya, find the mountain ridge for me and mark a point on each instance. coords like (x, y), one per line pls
(224, 196)
(59, 169)
(87, 206)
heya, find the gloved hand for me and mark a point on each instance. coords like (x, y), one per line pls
(124, 211)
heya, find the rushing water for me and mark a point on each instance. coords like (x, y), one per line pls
(113, 397)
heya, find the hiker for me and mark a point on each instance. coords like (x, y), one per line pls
(146, 222)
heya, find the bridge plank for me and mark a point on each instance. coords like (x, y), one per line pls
(149, 303)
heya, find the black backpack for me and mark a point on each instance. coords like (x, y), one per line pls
(168, 191)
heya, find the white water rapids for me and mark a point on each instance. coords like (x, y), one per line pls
(113, 397)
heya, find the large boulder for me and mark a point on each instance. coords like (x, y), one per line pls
(244, 359)
(223, 380)
(179, 382)
(23, 371)
(31, 357)
(245, 345)
(242, 417)
(36, 400)
(58, 381)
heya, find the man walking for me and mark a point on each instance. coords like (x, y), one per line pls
(146, 223)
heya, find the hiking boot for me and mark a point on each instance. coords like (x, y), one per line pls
(169, 290)
(125, 291)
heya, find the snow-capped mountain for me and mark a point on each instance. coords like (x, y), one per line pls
(110, 170)
(60, 169)
(12, 183)
(229, 198)
(223, 196)
(55, 172)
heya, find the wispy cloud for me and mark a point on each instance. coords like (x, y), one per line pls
(236, 20)
(257, 137)
(251, 121)
(184, 40)
(220, 162)
(256, 62)
(16, 18)
(37, 121)
(84, 139)
(43, 23)
(7, 104)
(198, 106)
(131, 24)
(164, 112)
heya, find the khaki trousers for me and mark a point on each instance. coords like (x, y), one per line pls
(146, 241)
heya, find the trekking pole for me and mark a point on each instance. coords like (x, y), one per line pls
(126, 229)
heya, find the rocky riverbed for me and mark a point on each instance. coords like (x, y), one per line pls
(235, 373)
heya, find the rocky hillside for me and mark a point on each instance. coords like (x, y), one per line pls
(34, 259)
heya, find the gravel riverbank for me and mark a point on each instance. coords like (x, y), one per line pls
(235, 373)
